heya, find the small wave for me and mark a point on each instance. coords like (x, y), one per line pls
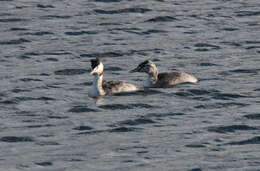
(232, 128)
(153, 31)
(227, 96)
(124, 129)
(8, 20)
(18, 90)
(120, 11)
(81, 109)
(162, 19)
(195, 146)
(195, 169)
(250, 42)
(39, 126)
(221, 105)
(112, 68)
(78, 33)
(56, 17)
(39, 33)
(18, 29)
(108, 1)
(138, 121)
(125, 106)
(8, 102)
(44, 143)
(232, 44)
(70, 72)
(52, 59)
(206, 47)
(207, 64)
(254, 140)
(102, 55)
(230, 29)
(246, 71)
(15, 42)
(43, 98)
(247, 13)
(13, 139)
(45, 6)
(212, 93)
(57, 117)
(252, 47)
(83, 128)
(29, 79)
(253, 116)
(44, 164)
(160, 115)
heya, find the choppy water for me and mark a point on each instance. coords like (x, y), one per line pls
(48, 122)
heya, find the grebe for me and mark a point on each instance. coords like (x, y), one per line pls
(162, 80)
(100, 87)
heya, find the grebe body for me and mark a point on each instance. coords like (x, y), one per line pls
(162, 80)
(101, 88)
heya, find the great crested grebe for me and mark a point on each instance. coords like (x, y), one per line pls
(100, 87)
(162, 80)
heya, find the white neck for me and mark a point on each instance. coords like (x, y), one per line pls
(97, 89)
(152, 78)
(149, 81)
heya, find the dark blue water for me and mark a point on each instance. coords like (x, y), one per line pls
(48, 122)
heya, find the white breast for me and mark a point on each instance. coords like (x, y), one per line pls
(148, 83)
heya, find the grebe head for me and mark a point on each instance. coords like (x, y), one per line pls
(97, 67)
(146, 66)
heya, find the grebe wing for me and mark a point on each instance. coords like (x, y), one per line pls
(116, 86)
(168, 79)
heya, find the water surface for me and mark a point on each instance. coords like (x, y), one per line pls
(48, 122)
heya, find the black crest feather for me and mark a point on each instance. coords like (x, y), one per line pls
(141, 65)
(94, 62)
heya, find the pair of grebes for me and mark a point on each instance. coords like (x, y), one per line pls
(155, 79)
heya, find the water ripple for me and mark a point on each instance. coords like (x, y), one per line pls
(195, 146)
(78, 33)
(102, 55)
(53, 17)
(138, 121)
(254, 140)
(247, 13)
(206, 47)
(15, 42)
(45, 6)
(29, 79)
(8, 20)
(253, 116)
(162, 19)
(124, 129)
(108, 1)
(39, 33)
(121, 129)
(71, 72)
(126, 10)
(43, 98)
(13, 139)
(82, 109)
(232, 128)
(44, 164)
(125, 106)
(83, 128)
